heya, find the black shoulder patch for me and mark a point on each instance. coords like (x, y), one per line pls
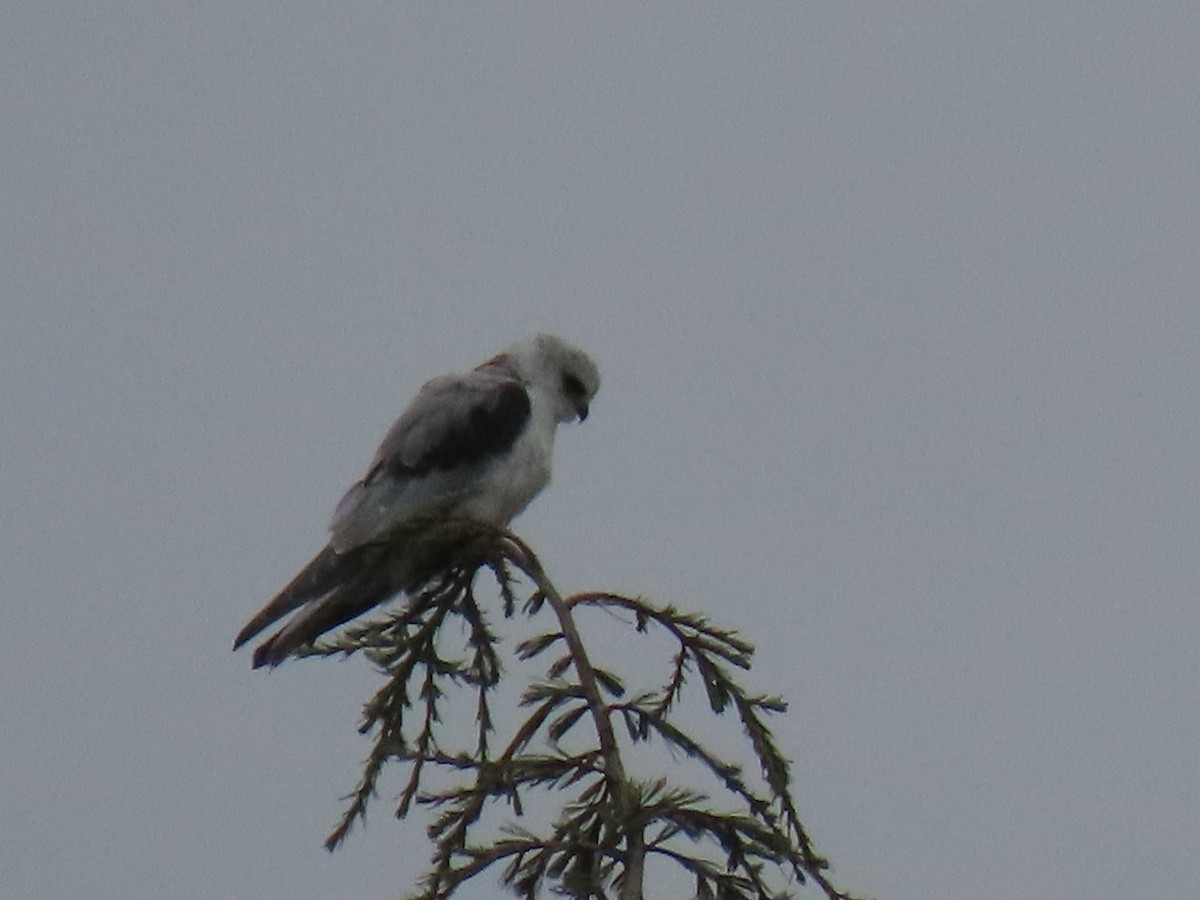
(490, 428)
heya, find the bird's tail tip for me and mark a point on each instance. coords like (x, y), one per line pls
(267, 655)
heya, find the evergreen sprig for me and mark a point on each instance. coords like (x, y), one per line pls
(609, 823)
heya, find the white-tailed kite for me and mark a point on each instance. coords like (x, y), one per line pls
(475, 445)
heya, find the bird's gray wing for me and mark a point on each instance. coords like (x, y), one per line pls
(433, 455)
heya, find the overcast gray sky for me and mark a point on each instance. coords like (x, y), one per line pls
(898, 309)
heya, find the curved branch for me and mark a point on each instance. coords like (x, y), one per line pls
(618, 782)
(601, 842)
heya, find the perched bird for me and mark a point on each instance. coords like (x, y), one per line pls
(476, 445)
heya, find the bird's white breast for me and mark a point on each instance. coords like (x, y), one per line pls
(518, 476)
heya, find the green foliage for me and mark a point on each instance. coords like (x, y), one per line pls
(609, 823)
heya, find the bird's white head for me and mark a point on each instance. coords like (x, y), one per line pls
(559, 370)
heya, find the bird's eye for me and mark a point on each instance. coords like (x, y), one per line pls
(572, 386)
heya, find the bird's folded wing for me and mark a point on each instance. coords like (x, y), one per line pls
(433, 455)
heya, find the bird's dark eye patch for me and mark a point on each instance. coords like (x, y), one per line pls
(572, 386)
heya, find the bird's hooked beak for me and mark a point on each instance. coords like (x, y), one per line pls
(581, 409)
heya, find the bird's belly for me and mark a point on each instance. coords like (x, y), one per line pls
(512, 483)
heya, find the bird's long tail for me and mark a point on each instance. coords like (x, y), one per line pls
(327, 569)
(363, 590)
(335, 587)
